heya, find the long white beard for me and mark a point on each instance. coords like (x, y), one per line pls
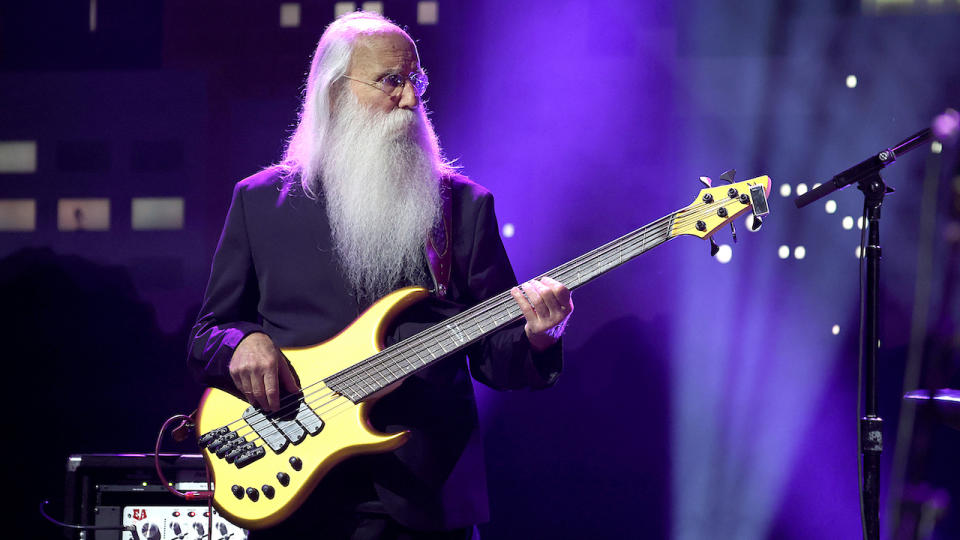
(380, 176)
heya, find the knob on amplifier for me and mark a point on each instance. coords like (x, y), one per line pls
(177, 523)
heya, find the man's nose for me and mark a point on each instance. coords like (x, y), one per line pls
(408, 96)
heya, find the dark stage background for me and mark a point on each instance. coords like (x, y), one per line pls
(701, 398)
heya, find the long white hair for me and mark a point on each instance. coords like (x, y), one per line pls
(331, 60)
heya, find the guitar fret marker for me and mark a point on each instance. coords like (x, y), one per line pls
(457, 333)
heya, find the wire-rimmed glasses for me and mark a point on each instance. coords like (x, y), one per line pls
(393, 84)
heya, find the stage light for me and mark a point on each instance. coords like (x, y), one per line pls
(376, 7)
(724, 254)
(783, 252)
(18, 157)
(428, 12)
(785, 190)
(799, 252)
(342, 8)
(83, 214)
(936, 147)
(508, 230)
(860, 222)
(851, 81)
(815, 186)
(831, 207)
(289, 15)
(801, 189)
(857, 252)
(748, 221)
(156, 213)
(847, 223)
(18, 214)
(836, 330)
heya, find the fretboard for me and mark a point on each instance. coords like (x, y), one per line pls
(441, 340)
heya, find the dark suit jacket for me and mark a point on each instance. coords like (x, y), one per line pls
(275, 272)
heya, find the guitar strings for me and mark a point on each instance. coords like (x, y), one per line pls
(599, 254)
(685, 217)
(480, 313)
(360, 373)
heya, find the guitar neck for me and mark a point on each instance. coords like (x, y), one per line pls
(441, 340)
(593, 264)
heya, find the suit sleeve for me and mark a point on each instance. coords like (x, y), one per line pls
(229, 312)
(504, 360)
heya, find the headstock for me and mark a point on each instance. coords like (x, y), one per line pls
(715, 207)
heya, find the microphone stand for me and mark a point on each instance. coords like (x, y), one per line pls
(866, 175)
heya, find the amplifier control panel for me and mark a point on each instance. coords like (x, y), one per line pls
(178, 523)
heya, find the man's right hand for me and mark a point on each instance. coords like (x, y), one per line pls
(258, 368)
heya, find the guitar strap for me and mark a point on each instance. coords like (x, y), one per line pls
(437, 246)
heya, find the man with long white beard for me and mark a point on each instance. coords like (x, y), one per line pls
(350, 214)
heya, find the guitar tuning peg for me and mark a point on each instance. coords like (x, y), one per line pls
(756, 223)
(706, 181)
(728, 176)
(733, 231)
(714, 248)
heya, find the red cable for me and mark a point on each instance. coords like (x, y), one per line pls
(190, 495)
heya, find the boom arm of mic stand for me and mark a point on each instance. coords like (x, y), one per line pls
(863, 169)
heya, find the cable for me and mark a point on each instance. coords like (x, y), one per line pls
(187, 423)
(180, 433)
(132, 529)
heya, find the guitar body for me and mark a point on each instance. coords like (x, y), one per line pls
(346, 431)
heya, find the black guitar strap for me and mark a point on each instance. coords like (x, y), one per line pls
(437, 246)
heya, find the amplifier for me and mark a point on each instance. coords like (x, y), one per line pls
(123, 489)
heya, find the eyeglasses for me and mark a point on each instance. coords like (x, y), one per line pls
(393, 84)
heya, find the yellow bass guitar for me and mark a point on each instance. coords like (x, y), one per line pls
(265, 464)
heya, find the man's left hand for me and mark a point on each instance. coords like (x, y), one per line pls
(547, 305)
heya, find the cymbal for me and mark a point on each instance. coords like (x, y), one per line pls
(945, 403)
